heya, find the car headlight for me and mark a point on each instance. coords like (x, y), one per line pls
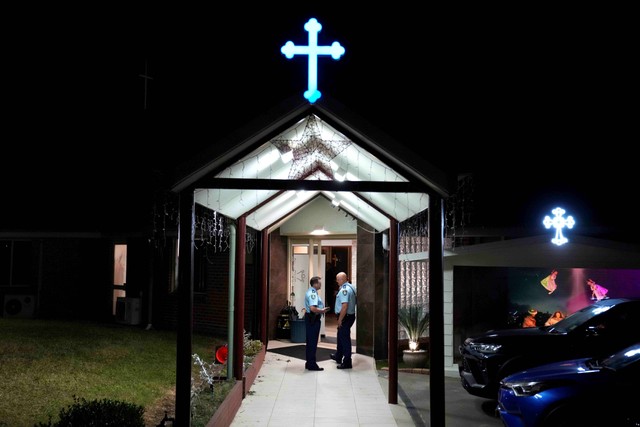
(485, 348)
(529, 388)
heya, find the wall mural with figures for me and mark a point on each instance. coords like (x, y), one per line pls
(501, 297)
(567, 289)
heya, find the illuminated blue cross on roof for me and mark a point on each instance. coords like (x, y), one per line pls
(313, 27)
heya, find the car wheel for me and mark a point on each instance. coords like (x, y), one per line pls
(571, 416)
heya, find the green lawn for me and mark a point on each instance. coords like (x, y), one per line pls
(44, 363)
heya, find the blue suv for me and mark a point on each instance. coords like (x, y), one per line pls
(586, 392)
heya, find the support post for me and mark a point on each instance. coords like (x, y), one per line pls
(393, 312)
(238, 353)
(186, 232)
(436, 310)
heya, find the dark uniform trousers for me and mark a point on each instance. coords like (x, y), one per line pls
(312, 327)
(343, 351)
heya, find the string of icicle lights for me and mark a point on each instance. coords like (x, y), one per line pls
(211, 228)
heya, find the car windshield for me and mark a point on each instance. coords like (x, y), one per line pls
(622, 358)
(578, 318)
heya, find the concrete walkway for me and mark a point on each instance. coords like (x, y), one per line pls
(285, 394)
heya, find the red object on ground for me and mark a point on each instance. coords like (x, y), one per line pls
(221, 353)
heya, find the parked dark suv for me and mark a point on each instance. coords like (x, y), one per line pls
(594, 331)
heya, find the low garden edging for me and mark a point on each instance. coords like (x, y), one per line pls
(229, 408)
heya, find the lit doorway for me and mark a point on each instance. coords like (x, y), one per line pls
(119, 274)
(334, 256)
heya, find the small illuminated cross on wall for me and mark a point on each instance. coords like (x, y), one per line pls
(558, 222)
(313, 27)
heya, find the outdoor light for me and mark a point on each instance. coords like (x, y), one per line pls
(558, 222)
(319, 231)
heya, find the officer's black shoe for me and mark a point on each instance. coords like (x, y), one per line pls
(344, 366)
(315, 368)
(333, 357)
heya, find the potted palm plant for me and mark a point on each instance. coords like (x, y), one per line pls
(414, 319)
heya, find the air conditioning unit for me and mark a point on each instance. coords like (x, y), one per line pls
(128, 310)
(18, 306)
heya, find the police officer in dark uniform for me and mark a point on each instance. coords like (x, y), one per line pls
(315, 309)
(346, 312)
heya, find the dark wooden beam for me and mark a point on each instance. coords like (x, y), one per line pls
(311, 185)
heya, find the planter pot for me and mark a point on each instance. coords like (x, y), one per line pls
(415, 358)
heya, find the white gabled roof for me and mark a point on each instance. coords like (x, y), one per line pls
(309, 153)
(316, 151)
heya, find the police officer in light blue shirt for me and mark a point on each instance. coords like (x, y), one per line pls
(315, 309)
(346, 311)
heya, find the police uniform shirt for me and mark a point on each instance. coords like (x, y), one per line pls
(312, 298)
(346, 294)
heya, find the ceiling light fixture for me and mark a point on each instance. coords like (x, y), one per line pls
(340, 174)
(319, 231)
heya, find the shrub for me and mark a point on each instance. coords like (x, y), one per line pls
(251, 347)
(98, 413)
(415, 321)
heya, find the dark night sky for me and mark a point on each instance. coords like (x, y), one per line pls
(534, 102)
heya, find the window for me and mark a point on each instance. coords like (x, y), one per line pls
(200, 264)
(18, 262)
(174, 255)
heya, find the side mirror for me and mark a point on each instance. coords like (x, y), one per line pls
(594, 330)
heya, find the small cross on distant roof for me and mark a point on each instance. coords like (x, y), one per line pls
(146, 78)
